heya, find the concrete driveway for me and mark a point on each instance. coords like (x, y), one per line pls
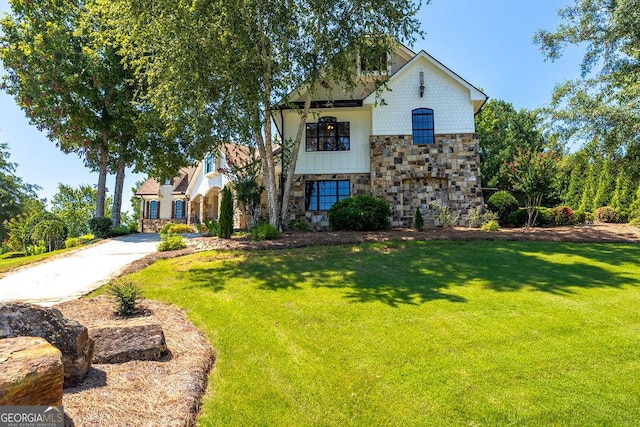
(73, 275)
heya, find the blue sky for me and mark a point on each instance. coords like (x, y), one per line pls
(488, 43)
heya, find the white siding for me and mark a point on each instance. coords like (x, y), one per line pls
(450, 101)
(356, 160)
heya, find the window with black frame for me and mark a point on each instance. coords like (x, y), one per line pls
(328, 134)
(422, 126)
(321, 195)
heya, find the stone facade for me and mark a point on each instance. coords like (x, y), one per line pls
(409, 176)
(412, 176)
(359, 184)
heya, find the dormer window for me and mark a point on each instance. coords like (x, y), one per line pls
(373, 61)
(328, 135)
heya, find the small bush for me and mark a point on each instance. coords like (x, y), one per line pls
(125, 295)
(171, 242)
(419, 221)
(72, 242)
(100, 227)
(444, 217)
(635, 221)
(360, 213)
(122, 230)
(545, 216)
(265, 231)
(502, 203)
(562, 215)
(212, 227)
(165, 228)
(9, 255)
(86, 238)
(492, 225)
(133, 227)
(606, 214)
(180, 229)
(53, 232)
(518, 218)
(37, 248)
(579, 217)
(299, 225)
(475, 217)
(225, 223)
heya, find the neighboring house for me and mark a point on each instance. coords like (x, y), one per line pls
(415, 147)
(192, 196)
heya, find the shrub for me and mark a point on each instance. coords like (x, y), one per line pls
(125, 295)
(225, 224)
(265, 231)
(122, 230)
(579, 217)
(212, 227)
(606, 214)
(86, 238)
(444, 217)
(37, 248)
(419, 221)
(492, 225)
(100, 227)
(475, 217)
(72, 242)
(360, 213)
(635, 221)
(545, 216)
(171, 242)
(9, 255)
(165, 228)
(299, 225)
(518, 218)
(180, 229)
(562, 215)
(502, 203)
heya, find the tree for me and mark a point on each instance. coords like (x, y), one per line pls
(75, 207)
(225, 224)
(225, 85)
(603, 103)
(502, 130)
(14, 193)
(247, 189)
(531, 174)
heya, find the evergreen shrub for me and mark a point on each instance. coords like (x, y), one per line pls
(171, 242)
(265, 231)
(225, 224)
(606, 214)
(360, 213)
(100, 227)
(125, 295)
(419, 221)
(502, 203)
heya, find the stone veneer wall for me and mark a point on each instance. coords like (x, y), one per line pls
(409, 176)
(359, 184)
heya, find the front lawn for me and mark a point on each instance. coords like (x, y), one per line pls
(415, 333)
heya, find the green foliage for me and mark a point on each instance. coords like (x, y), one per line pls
(52, 232)
(10, 255)
(491, 225)
(179, 229)
(265, 231)
(418, 220)
(37, 248)
(225, 224)
(360, 213)
(502, 203)
(246, 188)
(171, 242)
(100, 227)
(76, 206)
(165, 228)
(606, 214)
(125, 295)
(545, 216)
(121, 230)
(299, 225)
(518, 218)
(212, 226)
(475, 217)
(562, 215)
(21, 229)
(13, 191)
(444, 217)
(532, 174)
(72, 242)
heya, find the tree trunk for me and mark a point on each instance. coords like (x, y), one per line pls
(102, 178)
(293, 159)
(117, 193)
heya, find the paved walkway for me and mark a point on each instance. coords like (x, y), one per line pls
(71, 276)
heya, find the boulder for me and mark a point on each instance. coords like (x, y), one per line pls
(67, 335)
(31, 374)
(128, 339)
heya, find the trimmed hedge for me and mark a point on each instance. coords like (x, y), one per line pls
(502, 203)
(360, 213)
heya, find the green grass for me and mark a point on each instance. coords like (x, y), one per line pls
(11, 263)
(415, 333)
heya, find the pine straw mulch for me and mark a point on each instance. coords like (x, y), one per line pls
(141, 393)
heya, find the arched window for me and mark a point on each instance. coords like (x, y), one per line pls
(179, 209)
(422, 126)
(154, 208)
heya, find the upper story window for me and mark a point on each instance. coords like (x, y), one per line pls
(373, 61)
(321, 195)
(208, 163)
(328, 135)
(154, 208)
(422, 126)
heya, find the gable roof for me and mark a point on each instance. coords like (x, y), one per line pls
(478, 98)
(151, 186)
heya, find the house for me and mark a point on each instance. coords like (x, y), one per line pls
(193, 196)
(413, 145)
